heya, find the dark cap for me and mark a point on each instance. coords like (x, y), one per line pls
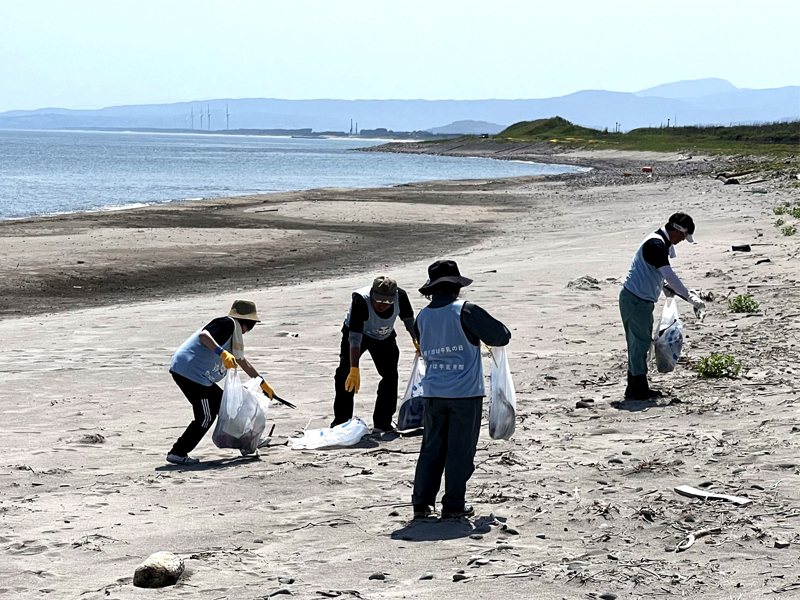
(443, 271)
(683, 223)
(384, 290)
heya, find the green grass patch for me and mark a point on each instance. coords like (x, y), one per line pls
(718, 366)
(779, 210)
(743, 303)
(795, 212)
(779, 223)
(770, 139)
(789, 230)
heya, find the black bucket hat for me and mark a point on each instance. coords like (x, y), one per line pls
(443, 271)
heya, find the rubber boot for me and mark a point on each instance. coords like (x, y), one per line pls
(642, 389)
(630, 390)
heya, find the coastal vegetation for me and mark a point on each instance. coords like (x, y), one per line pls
(743, 303)
(717, 366)
(768, 139)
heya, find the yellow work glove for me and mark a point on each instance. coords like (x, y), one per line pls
(353, 380)
(228, 360)
(267, 389)
(416, 347)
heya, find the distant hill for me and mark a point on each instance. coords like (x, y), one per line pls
(589, 108)
(692, 88)
(469, 127)
(768, 139)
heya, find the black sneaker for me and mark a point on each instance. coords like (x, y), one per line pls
(449, 513)
(423, 511)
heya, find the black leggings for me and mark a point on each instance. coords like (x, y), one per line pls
(205, 401)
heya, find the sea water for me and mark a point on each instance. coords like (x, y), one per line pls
(52, 172)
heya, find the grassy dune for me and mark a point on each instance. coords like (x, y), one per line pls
(771, 139)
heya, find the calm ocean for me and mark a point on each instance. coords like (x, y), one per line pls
(48, 172)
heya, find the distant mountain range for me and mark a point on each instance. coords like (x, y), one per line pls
(698, 102)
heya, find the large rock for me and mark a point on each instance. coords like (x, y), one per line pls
(158, 570)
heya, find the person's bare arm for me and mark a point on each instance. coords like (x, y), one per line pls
(247, 367)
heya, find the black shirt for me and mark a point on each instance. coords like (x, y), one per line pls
(655, 252)
(359, 311)
(478, 325)
(221, 329)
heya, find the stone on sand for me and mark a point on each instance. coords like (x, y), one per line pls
(158, 570)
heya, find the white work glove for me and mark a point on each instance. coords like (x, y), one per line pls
(698, 304)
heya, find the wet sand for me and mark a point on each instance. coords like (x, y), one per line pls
(580, 501)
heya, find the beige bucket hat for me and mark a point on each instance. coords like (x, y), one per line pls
(244, 309)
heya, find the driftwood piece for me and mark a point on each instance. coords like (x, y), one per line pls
(685, 490)
(690, 539)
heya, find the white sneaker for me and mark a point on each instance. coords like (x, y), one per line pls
(182, 460)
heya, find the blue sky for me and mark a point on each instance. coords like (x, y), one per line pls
(89, 54)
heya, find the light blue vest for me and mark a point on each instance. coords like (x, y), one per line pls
(643, 279)
(197, 363)
(453, 366)
(378, 327)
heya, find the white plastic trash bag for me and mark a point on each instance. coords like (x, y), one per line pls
(410, 414)
(669, 340)
(242, 414)
(502, 397)
(344, 434)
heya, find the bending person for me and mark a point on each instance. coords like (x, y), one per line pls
(202, 361)
(369, 327)
(450, 332)
(649, 269)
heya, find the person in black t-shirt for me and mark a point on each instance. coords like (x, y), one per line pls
(369, 327)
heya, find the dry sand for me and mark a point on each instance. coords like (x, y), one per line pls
(578, 504)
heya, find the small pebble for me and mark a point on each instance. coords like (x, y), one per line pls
(379, 576)
(608, 596)
(426, 576)
(476, 536)
(394, 513)
(582, 404)
(626, 452)
(542, 536)
(460, 577)
(613, 557)
(781, 544)
(615, 461)
(281, 592)
(286, 580)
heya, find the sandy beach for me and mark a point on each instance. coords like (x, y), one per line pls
(580, 503)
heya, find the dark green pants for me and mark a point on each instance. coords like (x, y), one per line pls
(637, 319)
(452, 426)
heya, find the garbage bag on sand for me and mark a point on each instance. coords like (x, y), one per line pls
(242, 414)
(345, 434)
(502, 397)
(669, 340)
(410, 414)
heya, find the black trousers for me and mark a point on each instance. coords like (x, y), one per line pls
(449, 441)
(205, 401)
(385, 354)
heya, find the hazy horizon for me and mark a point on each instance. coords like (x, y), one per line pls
(89, 54)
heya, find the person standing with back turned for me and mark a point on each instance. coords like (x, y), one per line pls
(643, 285)
(450, 332)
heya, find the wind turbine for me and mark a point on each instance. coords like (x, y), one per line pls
(208, 108)
(192, 117)
(227, 117)
(201, 118)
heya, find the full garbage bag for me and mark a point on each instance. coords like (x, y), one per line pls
(242, 414)
(669, 339)
(410, 414)
(344, 434)
(502, 397)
